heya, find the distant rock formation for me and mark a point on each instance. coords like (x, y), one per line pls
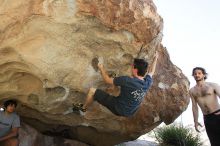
(46, 51)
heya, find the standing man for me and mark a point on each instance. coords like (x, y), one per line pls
(9, 124)
(205, 94)
(133, 89)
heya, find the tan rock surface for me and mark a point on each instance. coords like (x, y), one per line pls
(46, 51)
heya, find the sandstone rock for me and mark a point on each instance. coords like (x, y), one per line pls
(28, 136)
(46, 51)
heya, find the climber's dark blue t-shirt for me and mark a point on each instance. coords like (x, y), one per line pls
(132, 92)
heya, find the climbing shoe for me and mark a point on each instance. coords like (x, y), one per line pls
(78, 107)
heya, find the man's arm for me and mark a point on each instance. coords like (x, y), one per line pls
(216, 89)
(195, 113)
(13, 133)
(153, 65)
(104, 74)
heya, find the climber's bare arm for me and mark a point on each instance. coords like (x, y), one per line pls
(104, 74)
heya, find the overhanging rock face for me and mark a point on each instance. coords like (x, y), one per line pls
(46, 51)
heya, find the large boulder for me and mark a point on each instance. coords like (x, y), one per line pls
(47, 51)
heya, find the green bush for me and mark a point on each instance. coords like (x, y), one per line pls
(174, 135)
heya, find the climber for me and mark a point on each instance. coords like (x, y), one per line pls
(9, 124)
(133, 89)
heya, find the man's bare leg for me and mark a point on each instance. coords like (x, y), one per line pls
(89, 98)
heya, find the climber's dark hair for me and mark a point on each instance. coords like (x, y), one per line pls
(141, 65)
(10, 102)
(202, 69)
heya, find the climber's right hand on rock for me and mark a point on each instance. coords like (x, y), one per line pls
(100, 66)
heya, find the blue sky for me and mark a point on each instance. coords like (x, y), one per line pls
(191, 36)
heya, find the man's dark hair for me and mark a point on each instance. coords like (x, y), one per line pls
(10, 102)
(141, 65)
(202, 69)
